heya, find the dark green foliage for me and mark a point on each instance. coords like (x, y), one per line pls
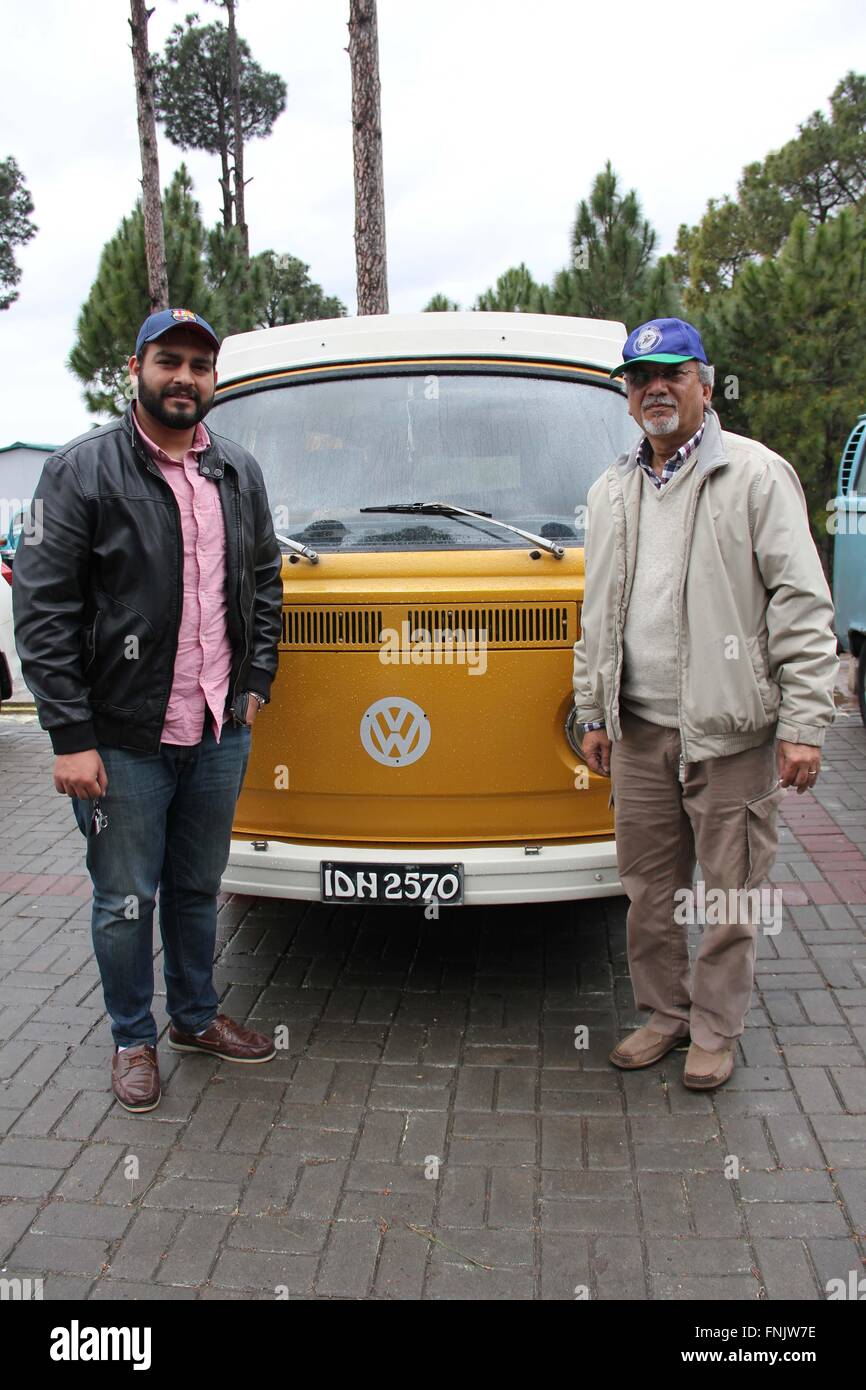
(288, 295)
(440, 303)
(16, 228)
(118, 301)
(207, 272)
(193, 95)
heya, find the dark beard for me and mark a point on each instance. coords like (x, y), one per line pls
(167, 413)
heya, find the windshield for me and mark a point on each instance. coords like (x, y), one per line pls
(524, 448)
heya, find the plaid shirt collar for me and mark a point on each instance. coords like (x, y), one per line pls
(645, 454)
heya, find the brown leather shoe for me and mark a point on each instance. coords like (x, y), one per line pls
(135, 1078)
(643, 1047)
(706, 1070)
(224, 1038)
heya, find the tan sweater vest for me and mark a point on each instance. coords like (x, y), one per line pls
(648, 685)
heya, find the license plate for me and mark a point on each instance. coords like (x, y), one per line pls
(403, 884)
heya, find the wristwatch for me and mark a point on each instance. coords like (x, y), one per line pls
(241, 704)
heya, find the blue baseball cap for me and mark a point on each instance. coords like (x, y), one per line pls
(661, 340)
(157, 324)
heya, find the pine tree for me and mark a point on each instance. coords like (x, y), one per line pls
(787, 344)
(288, 295)
(207, 272)
(821, 171)
(514, 292)
(611, 245)
(194, 98)
(440, 303)
(612, 251)
(118, 301)
(16, 229)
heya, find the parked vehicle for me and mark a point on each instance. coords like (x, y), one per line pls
(848, 524)
(427, 474)
(9, 542)
(8, 657)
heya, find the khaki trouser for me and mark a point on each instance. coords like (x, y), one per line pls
(722, 814)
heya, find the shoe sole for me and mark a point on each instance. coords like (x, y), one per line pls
(138, 1109)
(223, 1056)
(628, 1065)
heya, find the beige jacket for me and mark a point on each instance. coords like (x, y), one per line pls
(754, 617)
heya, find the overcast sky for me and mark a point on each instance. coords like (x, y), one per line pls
(496, 116)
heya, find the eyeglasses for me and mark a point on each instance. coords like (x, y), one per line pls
(639, 377)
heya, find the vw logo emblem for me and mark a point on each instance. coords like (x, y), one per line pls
(395, 731)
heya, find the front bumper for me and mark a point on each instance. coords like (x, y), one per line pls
(492, 873)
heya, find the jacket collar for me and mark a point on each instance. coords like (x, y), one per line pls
(212, 461)
(710, 455)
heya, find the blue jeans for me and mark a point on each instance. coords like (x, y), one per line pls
(169, 827)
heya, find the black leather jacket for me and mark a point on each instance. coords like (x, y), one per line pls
(104, 564)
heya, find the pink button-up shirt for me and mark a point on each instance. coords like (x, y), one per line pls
(204, 655)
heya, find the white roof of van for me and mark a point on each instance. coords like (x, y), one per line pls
(374, 337)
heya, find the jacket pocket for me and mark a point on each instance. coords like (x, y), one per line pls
(88, 645)
(761, 834)
(121, 674)
(771, 695)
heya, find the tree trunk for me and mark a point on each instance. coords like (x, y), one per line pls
(225, 181)
(370, 259)
(235, 77)
(154, 235)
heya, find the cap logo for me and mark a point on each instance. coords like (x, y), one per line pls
(185, 314)
(647, 339)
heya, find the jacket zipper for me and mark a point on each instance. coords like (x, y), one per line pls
(619, 624)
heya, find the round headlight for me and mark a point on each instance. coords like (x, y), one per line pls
(572, 731)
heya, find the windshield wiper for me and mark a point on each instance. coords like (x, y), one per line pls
(305, 550)
(448, 509)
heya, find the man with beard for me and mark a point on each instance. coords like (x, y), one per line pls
(706, 634)
(147, 618)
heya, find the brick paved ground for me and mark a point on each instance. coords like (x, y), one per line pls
(414, 1041)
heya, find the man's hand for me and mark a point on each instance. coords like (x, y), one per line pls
(799, 765)
(80, 774)
(252, 711)
(596, 751)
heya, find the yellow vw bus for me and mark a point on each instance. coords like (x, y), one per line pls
(427, 475)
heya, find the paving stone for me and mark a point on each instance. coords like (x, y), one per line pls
(664, 1204)
(786, 1270)
(793, 1142)
(464, 1195)
(692, 1256)
(350, 1260)
(512, 1198)
(402, 1264)
(263, 1273)
(85, 1219)
(713, 1204)
(60, 1255)
(617, 1268)
(318, 1191)
(15, 1219)
(835, 1259)
(798, 1219)
(144, 1245)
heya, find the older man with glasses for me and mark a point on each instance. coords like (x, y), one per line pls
(703, 679)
